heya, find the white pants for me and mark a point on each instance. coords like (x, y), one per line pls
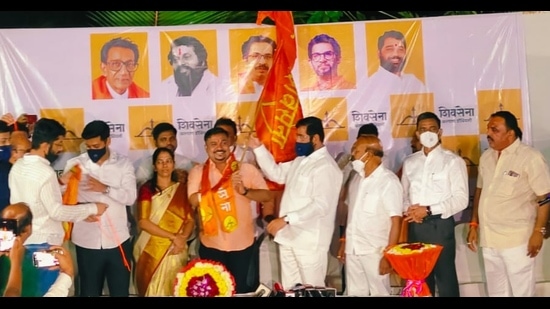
(509, 272)
(270, 271)
(302, 266)
(363, 278)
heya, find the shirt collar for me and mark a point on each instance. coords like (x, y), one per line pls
(511, 148)
(115, 94)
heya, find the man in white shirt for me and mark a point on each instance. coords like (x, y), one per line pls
(33, 181)
(390, 78)
(19, 283)
(435, 187)
(373, 221)
(164, 135)
(510, 210)
(103, 247)
(308, 206)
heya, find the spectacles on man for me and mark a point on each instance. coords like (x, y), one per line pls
(258, 56)
(328, 55)
(116, 65)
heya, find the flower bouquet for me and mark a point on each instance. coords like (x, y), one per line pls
(414, 262)
(204, 278)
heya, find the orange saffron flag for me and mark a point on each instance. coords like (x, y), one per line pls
(279, 107)
(70, 197)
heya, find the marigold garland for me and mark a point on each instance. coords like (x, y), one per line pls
(204, 278)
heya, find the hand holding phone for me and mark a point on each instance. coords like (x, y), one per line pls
(44, 259)
(8, 231)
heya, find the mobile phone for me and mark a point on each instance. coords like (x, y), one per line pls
(31, 119)
(44, 259)
(8, 231)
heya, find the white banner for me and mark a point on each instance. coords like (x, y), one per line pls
(463, 68)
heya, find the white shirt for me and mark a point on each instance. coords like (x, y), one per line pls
(115, 94)
(33, 181)
(510, 185)
(438, 180)
(379, 197)
(205, 87)
(310, 198)
(116, 172)
(144, 171)
(61, 286)
(386, 82)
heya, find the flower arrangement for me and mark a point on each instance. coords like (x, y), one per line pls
(204, 278)
(414, 262)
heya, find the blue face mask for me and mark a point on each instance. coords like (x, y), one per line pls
(303, 149)
(96, 154)
(5, 153)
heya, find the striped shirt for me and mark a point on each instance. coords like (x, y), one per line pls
(33, 181)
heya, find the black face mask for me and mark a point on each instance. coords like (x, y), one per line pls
(96, 154)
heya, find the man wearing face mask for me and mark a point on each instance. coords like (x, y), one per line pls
(435, 187)
(308, 206)
(103, 247)
(33, 181)
(373, 221)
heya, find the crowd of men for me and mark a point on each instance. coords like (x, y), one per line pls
(96, 208)
(364, 201)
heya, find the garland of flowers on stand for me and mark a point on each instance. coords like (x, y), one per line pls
(204, 278)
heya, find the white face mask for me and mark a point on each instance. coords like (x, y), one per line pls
(359, 166)
(429, 139)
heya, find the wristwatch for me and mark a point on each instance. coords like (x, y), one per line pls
(428, 210)
(107, 190)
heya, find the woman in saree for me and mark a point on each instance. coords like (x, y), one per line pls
(166, 220)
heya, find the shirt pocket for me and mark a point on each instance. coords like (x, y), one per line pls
(506, 185)
(440, 182)
(303, 185)
(369, 203)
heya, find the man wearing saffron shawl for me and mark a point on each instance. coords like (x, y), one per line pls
(166, 222)
(223, 188)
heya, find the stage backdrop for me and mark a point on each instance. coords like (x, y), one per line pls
(463, 68)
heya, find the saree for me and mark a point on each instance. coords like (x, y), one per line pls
(156, 269)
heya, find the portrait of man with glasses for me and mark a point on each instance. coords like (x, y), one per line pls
(119, 62)
(324, 55)
(257, 53)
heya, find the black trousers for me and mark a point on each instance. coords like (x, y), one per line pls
(97, 265)
(237, 262)
(435, 230)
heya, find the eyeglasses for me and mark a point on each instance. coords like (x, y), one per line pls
(329, 55)
(257, 56)
(116, 65)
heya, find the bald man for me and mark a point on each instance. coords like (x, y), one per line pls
(373, 221)
(22, 276)
(19, 145)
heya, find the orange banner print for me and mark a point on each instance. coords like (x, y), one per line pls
(279, 106)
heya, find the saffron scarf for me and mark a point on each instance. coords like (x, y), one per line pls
(70, 197)
(218, 202)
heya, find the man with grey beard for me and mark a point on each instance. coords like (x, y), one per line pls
(188, 58)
